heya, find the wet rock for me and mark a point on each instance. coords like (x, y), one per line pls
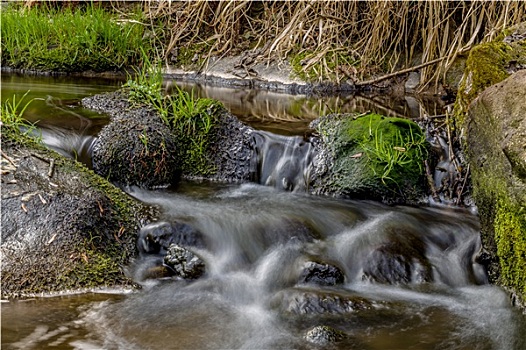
(183, 262)
(137, 149)
(323, 335)
(321, 274)
(232, 150)
(393, 263)
(305, 302)
(63, 229)
(156, 238)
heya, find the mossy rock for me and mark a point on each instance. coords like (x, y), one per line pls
(63, 227)
(137, 150)
(488, 64)
(496, 147)
(370, 157)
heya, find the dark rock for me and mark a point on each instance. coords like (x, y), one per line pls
(68, 230)
(156, 238)
(394, 263)
(183, 262)
(321, 274)
(136, 148)
(323, 335)
(231, 150)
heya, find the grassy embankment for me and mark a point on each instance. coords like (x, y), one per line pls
(87, 38)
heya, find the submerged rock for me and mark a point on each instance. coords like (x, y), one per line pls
(370, 157)
(321, 274)
(393, 264)
(323, 335)
(306, 302)
(183, 262)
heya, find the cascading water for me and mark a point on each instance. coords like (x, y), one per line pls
(279, 263)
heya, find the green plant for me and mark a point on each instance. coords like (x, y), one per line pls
(12, 117)
(388, 154)
(144, 87)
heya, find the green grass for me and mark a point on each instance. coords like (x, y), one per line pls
(70, 40)
(388, 154)
(12, 119)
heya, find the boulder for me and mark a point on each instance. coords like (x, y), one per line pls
(136, 148)
(63, 227)
(369, 156)
(495, 138)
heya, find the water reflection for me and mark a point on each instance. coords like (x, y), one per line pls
(291, 114)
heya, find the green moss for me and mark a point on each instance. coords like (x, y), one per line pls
(485, 66)
(510, 236)
(192, 55)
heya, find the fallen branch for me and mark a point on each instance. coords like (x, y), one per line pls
(400, 72)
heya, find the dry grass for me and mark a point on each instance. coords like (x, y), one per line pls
(336, 39)
(368, 37)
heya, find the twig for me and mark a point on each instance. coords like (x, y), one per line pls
(400, 72)
(40, 157)
(51, 168)
(8, 159)
(431, 182)
(459, 198)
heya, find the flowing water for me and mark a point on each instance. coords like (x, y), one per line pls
(257, 240)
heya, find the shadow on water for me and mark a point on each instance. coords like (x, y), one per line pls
(412, 279)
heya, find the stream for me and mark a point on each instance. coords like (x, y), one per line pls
(257, 243)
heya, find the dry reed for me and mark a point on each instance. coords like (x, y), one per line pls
(353, 39)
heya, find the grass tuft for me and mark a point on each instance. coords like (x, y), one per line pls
(189, 117)
(12, 118)
(70, 39)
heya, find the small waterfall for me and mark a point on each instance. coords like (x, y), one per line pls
(284, 162)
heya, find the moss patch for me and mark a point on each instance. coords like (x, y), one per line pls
(487, 64)
(510, 234)
(314, 66)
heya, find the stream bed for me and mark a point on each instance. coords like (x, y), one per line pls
(411, 276)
